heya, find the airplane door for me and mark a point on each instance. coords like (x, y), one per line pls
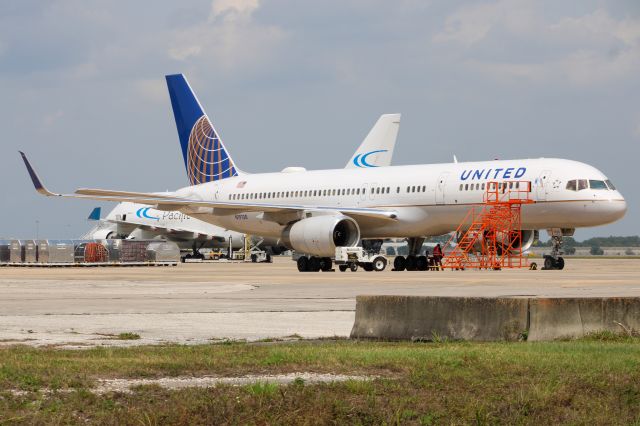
(363, 193)
(543, 185)
(371, 191)
(440, 187)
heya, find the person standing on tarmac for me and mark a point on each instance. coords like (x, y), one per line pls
(437, 256)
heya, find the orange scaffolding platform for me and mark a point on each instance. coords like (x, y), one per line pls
(489, 236)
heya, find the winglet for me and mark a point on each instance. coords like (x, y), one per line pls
(95, 214)
(35, 179)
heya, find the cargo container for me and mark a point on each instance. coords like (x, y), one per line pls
(163, 252)
(133, 251)
(91, 251)
(16, 252)
(56, 251)
(5, 251)
(30, 251)
(113, 249)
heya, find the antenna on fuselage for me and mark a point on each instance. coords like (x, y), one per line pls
(455, 159)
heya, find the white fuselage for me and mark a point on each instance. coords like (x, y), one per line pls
(429, 199)
(138, 221)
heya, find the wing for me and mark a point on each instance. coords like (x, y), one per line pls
(172, 201)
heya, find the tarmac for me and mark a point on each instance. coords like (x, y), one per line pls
(199, 303)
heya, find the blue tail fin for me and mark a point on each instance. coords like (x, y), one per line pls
(205, 156)
(95, 214)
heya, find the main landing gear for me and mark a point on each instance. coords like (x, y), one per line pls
(414, 261)
(314, 264)
(195, 254)
(554, 260)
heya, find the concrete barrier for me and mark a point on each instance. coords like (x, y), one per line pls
(491, 319)
(428, 318)
(559, 318)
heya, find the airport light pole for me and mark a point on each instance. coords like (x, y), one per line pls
(37, 229)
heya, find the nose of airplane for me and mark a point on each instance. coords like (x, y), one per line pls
(616, 209)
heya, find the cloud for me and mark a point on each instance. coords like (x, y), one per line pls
(590, 49)
(233, 9)
(471, 24)
(52, 118)
(229, 37)
(153, 89)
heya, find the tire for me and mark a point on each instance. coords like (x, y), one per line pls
(560, 263)
(314, 264)
(343, 268)
(353, 267)
(303, 264)
(254, 258)
(549, 263)
(367, 267)
(399, 263)
(188, 256)
(422, 264)
(268, 258)
(326, 264)
(379, 263)
(411, 263)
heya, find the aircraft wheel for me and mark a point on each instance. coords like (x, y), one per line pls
(343, 268)
(411, 263)
(399, 263)
(560, 263)
(379, 263)
(353, 267)
(303, 264)
(254, 258)
(549, 263)
(326, 264)
(314, 264)
(422, 264)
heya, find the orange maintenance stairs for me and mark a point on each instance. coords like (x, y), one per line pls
(490, 235)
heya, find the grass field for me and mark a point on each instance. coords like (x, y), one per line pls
(590, 381)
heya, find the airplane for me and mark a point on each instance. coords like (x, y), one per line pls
(138, 221)
(314, 212)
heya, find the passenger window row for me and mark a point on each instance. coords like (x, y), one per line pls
(502, 186)
(307, 193)
(323, 193)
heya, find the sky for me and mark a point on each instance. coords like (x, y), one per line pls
(292, 83)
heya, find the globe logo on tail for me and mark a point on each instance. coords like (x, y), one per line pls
(207, 159)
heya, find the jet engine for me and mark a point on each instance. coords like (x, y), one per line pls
(320, 235)
(104, 234)
(522, 241)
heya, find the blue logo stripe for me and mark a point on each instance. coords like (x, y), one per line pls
(360, 160)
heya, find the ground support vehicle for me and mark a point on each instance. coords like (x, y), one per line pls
(346, 258)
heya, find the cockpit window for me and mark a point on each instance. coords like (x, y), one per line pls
(610, 185)
(572, 186)
(597, 184)
(582, 184)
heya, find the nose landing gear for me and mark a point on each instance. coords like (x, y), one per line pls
(554, 260)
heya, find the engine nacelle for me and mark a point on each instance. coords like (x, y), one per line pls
(320, 235)
(104, 234)
(523, 241)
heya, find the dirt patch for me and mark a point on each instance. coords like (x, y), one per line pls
(126, 385)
